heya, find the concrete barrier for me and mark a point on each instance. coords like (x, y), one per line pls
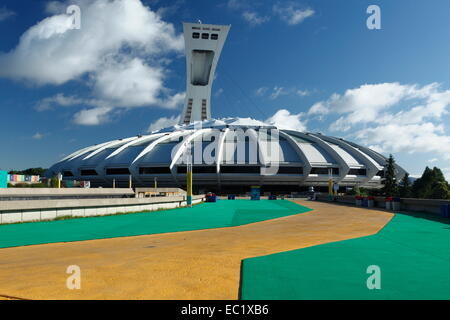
(39, 210)
(406, 204)
(12, 194)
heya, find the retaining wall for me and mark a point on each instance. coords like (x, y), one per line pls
(38, 210)
(406, 204)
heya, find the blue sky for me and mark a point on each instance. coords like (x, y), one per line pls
(308, 65)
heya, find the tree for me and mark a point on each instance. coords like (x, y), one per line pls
(439, 190)
(405, 190)
(30, 172)
(390, 184)
(432, 185)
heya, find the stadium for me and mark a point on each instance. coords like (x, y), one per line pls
(227, 155)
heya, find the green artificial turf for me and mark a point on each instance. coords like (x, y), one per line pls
(413, 254)
(224, 213)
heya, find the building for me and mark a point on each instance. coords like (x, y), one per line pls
(227, 155)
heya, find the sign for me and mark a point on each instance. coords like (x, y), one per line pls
(3, 179)
(255, 193)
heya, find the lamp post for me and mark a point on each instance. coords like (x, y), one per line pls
(189, 180)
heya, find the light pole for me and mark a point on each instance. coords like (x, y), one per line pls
(189, 180)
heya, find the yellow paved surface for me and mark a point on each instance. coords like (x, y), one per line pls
(201, 264)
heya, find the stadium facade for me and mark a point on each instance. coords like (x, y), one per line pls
(227, 155)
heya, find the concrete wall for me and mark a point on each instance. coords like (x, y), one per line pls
(39, 210)
(65, 192)
(406, 204)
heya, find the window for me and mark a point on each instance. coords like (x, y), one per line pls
(319, 171)
(335, 171)
(154, 170)
(214, 36)
(195, 35)
(201, 67)
(88, 172)
(205, 35)
(198, 169)
(117, 171)
(380, 173)
(240, 169)
(358, 172)
(290, 170)
(67, 174)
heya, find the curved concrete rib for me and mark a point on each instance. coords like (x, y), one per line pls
(300, 152)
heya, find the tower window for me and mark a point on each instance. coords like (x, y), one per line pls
(195, 35)
(214, 36)
(201, 67)
(205, 35)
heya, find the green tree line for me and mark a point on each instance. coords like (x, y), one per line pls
(431, 185)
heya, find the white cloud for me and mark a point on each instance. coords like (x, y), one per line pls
(278, 91)
(253, 18)
(283, 119)
(122, 48)
(58, 100)
(163, 123)
(37, 136)
(392, 117)
(130, 83)
(411, 138)
(433, 160)
(368, 102)
(248, 12)
(219, 92)
(446, 172)
(5, 13)
(261, 91)
(92, 117)
(235, 4)
(291, 13)
(303, 93)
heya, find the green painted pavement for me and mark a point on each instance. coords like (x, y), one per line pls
(224, 213)
(412, 252)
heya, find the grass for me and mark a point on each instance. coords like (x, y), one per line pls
(413, 254)
(224, 213)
